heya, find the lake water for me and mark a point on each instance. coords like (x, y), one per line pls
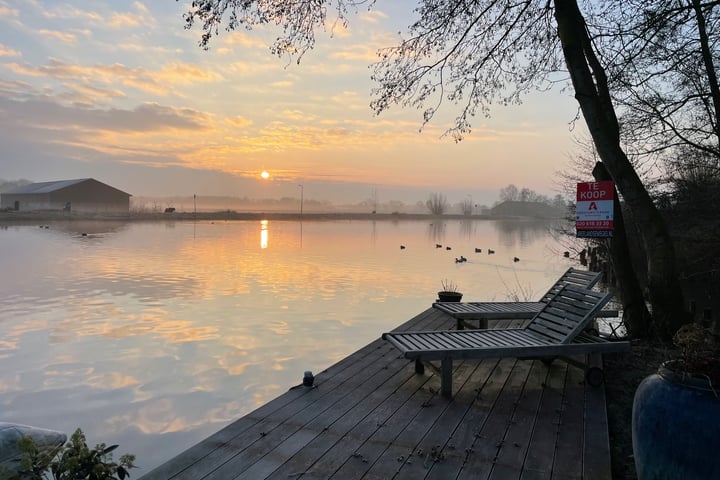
(156, 335)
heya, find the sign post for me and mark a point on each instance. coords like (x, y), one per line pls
(594, 209)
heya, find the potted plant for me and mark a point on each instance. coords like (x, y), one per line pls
(676, 412)
(74, 460)
(449, 292)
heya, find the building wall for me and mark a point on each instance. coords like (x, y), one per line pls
(26, 201)
(89, 196)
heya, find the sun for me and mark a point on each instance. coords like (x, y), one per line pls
(265, 174)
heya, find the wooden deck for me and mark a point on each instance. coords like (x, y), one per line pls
(372, 417)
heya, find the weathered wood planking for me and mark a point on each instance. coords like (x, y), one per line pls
(373, 417)
(596, 441)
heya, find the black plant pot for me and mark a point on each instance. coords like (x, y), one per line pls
(449, 296)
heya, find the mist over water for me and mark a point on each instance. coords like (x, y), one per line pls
(156, 335)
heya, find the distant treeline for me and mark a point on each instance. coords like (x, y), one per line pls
(511, 193)
(7, 185)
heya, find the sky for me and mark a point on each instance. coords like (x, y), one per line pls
(121, 92)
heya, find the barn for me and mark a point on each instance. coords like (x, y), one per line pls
(82, 195)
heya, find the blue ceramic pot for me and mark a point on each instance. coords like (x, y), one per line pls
(676, 427)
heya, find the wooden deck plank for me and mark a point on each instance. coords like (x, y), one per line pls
(367, 454)
(356, 402)
(492, 436)
(224, 442)
(303, 421)
(512, 455)
(541, 453)
(273, 442)
(222, 438)
(596, 458)
(438, 438)
(332, 447)
(466, 434)
(349, 450)
(569, 443)
(304, 405)
(372, 416)
(382, 418)
(405, 452)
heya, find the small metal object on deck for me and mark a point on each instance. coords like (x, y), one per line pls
(308, 378)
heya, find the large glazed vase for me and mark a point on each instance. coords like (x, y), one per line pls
(676, 427)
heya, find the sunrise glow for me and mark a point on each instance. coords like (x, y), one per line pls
(133, 101)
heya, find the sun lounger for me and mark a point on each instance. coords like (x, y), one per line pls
(484, 311)
(556, 331)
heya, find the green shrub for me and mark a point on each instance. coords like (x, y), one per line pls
(72, 461)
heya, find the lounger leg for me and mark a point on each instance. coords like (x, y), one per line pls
(419, 367)
(446, 377)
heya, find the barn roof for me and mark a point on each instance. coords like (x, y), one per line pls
(48, 187)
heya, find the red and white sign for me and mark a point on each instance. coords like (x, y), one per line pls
(594, 209)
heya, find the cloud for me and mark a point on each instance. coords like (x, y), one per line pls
(149, 117)
(6, 51)
(239, 121)
(252, 68)
(57, 35)
(141, 16)
(337, 29)
(138, 17)
(68, 12)
(242, 39)
(282, 84)
(298, 116)
(150, 134)
(7, 12)
(362, 53)
(16, 89)
(185, 74)
(373, 16)
(86, 94)
(158, 82)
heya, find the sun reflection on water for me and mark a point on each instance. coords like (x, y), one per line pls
(263, 234)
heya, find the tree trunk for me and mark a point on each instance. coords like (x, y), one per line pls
(709, 67)
(591, 91)
(635, 313)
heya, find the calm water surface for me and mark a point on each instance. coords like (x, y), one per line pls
(156, 335)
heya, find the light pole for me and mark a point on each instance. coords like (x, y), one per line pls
(302, 192)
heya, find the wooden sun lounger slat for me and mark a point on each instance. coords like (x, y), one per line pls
(547, 334)
(516, 336)
(500, 310)
(541, 350)
(521, 310)
(555, 331)
(581, 278)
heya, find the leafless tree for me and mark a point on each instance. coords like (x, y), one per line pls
(436, 203)
(466, 207)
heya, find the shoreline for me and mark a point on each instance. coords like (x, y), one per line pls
(14, 217)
